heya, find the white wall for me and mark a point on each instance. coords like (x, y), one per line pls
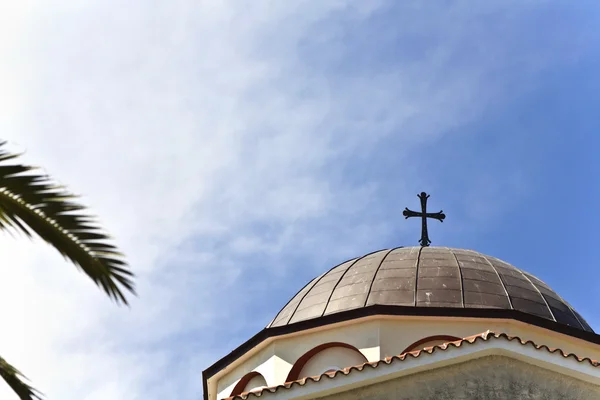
(257, 382)
(332, 358)
(376, 338)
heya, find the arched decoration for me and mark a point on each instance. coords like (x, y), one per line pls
(330, 369)
(430, 341)
(304, 359)
(242, 385)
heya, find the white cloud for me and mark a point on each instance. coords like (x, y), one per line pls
(202, 136)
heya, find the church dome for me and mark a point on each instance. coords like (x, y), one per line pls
(420, 280)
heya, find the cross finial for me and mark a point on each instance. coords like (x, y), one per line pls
(424, 241)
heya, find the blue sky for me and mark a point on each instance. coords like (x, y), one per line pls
(238, 149)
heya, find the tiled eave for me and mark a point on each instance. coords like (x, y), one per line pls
(385, 310)
(377, 368)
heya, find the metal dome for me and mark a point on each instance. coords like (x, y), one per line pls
(427, 277)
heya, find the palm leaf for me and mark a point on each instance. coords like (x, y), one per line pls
(31, 203)
(15, 380)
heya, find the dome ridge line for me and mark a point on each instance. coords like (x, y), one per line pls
(540, 293)
(341, 277)
(422, 278)
(317, 281)
(290, 300)
(417, 274)
(569, 306)
(376, 272)
(460, 274)
(574, 313)
(501, 280)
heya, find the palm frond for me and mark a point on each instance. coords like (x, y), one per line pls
(16, 380)
(31, 203)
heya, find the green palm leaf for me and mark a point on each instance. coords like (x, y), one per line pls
(15, 380)
(31, 203)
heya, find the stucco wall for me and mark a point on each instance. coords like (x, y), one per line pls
(256, 382)
(333, 358)
(397, 333)
(488, 378)
(275, 360)
(376, 338)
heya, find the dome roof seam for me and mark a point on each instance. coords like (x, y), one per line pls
(460, 274)
(541, 295)
(342, 277)
(376, 272)
(569, 306)
(316, 282)
(417, 274)
(290, 300)
(424, 278)
(501, 280)
(574, 314)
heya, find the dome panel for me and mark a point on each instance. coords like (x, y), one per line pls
(427, 277)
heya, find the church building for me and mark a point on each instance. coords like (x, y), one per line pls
(417, 323)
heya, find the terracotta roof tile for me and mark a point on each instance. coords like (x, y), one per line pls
(484, 336)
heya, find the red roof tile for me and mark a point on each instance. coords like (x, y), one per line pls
(484, 336)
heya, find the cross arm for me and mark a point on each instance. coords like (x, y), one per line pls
(410, 213)
(440, 216)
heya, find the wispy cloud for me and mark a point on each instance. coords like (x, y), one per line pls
(226, 145)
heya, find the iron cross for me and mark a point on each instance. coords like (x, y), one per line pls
(424, 215)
